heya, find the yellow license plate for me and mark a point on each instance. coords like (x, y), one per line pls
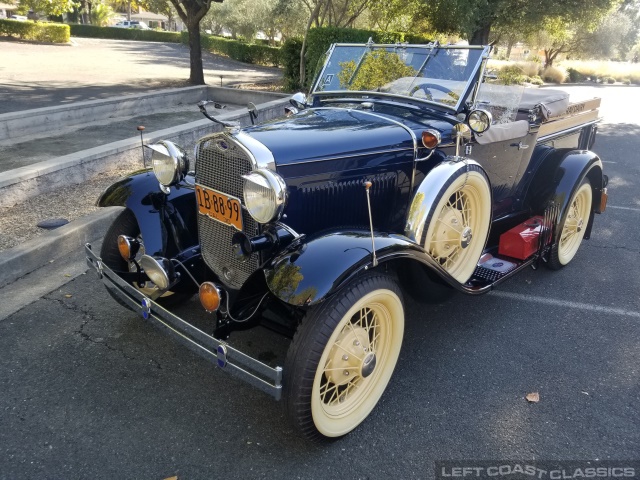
(220, 207)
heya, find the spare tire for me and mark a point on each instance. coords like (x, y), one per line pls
(458, 222)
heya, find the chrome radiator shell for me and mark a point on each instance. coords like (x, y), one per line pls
(221, 160)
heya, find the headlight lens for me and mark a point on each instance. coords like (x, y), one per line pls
(479, 121)
(169, 163)
(265, 195)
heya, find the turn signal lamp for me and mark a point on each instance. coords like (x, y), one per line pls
(431, 139)
(210, 297)
(128, 247)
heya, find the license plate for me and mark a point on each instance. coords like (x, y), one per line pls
(220, 207)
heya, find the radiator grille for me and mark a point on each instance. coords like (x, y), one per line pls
(220, 164)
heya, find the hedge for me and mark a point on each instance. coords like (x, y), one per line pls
(93, 31)
(241, 51)
(320, 39)
(38, 31)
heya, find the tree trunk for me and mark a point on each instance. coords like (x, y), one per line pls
(196, 76)
(481, 35)
(314, 15)
(129, 11)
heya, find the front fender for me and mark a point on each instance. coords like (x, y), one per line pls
(308, 272)
(167, 222)
(559, 177)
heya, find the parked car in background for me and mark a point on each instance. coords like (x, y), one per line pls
(132, 24)
(20, 18)
(404, 172)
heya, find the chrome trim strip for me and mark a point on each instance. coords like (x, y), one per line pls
(262, 156)
(237, 363)
(551, 136)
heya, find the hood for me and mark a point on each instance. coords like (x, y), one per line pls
(325, 133)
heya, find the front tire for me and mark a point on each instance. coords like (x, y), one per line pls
(342, 357)
(573, 227)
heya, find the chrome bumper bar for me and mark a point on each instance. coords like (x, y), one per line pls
(233, 361)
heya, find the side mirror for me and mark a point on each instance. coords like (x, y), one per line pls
(299, 100)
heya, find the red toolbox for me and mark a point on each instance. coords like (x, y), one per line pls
(523, 240)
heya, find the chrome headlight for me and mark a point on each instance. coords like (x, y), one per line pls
(265, 195)
(479, 121)
(169, 163)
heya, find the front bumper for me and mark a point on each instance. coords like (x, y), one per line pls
(227, 358)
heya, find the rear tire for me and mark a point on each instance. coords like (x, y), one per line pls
(342, 357)
(126, 224)
(573, 227)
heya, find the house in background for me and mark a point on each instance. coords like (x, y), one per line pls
(156, 20)
(7, 9)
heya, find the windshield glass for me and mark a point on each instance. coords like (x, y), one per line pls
(434, 74)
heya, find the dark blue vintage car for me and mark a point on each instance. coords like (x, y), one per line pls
(406, 170)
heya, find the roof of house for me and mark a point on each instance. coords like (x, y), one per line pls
(148, 16)
(8, 6)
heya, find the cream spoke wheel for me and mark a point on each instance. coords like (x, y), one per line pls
(458, 224)
(351, 344)
(573, 229)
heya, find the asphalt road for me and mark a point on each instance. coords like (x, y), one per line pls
(35, 76)
(88, 390)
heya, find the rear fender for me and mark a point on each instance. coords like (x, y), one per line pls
(559, 177)
(167, 222)
(308, 272)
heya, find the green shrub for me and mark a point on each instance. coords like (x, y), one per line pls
(536, 80)
(241, 51)
(93, 31)
(609, 80)
(290, 58)
(575, 76)
(40, 32)
(626, 81)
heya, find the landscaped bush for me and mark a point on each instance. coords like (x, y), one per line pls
(536, 80)
(575, 76)
(320, 39)
(93, 31)
(609, 80)
(594, 70)
(554, 75)
(290, 58)
(241, 51)
(38, 31)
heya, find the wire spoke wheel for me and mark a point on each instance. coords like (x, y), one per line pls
(573, 228)
(459, 223)
(343, 356)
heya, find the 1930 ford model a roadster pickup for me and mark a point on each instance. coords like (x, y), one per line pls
(404, 171)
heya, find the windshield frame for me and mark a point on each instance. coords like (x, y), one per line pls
(469, 88)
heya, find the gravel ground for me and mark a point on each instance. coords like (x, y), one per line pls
(18, 223)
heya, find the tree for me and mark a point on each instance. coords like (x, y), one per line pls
(475, 19)
(101, 15)
(191, 12)
(48, 7)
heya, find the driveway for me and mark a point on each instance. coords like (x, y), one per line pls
(35, 76)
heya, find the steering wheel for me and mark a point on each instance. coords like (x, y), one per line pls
(425, 88)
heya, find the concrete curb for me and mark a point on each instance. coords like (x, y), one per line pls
(28, 257)
(42, 177)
